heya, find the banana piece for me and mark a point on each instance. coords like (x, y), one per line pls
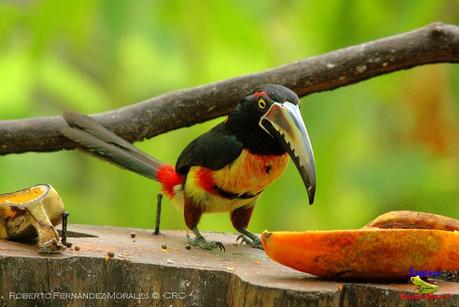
(31, 214)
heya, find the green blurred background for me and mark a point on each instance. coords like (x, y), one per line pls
(385, 144)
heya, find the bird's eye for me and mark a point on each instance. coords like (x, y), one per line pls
(262, 103)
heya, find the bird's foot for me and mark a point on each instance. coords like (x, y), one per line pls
(204, 244)
(253, 242)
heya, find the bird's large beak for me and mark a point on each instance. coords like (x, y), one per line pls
(284, 122)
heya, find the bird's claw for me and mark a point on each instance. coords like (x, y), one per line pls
(204, 244)
(255, 242)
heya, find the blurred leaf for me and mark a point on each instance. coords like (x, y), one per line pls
(70, 88)
(16, 73)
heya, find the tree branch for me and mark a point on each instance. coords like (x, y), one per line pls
(434, 43)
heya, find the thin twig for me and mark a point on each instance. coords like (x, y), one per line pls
(158, 213)
(65, 216)
(434, 43)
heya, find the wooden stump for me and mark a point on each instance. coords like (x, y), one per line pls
(160, 271)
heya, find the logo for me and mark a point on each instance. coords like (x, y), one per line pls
(413, 273)
(423, 286)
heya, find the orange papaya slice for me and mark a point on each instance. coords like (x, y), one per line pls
(370, 252)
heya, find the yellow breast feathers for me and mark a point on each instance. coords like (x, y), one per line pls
(250, 173)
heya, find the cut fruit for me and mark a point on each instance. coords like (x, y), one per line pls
(405, 219)
(31, 213)
(371, 252)
(365, 253)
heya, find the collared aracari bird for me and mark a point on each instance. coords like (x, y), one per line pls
(223, 170)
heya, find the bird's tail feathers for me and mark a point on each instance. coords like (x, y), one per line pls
(102, 143)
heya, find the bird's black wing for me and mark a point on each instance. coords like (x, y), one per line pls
(214, 149)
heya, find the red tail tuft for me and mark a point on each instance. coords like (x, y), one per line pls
(168, 178)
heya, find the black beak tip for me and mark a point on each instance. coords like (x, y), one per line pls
(311, 194)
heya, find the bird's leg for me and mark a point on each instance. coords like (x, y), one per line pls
(249, 238)
(192, 213)
(200, 241)
(240, 218)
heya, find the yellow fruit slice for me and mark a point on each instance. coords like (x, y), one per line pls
(31, 213)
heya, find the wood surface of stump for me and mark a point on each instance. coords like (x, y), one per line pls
(115, 267)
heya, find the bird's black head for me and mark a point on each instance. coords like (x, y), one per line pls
(276, 93)
(269, 121)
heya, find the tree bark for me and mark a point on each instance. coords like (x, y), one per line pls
(434, 43)
(159, 271)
